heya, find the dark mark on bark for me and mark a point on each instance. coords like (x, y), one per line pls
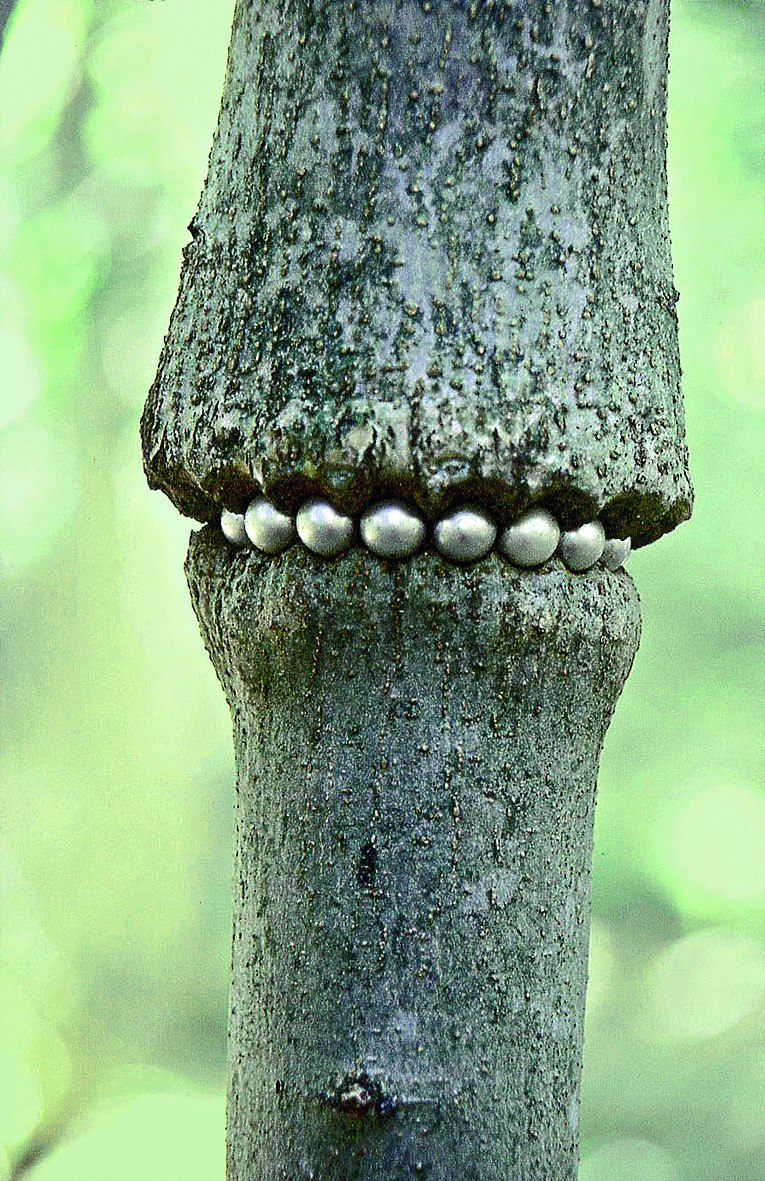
(359, 1096)
(367, 865)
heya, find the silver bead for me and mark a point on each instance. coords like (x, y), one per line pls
(323, 529)
(532, 539)
(465, 536)
(267, 528)
(580, 548)
(392, 530)
(615, 552)
(232, 525)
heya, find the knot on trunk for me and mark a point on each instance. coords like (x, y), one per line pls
(359, 1096)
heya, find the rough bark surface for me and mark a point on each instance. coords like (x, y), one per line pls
(432, 254)
(417, 748)
(431, 260)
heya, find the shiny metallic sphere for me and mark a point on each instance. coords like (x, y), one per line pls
(232, 525)
(391, 530)
(580, 548)
(465, 536)
(615, 552)
(532, 539)
(267, 528)
(323, 529)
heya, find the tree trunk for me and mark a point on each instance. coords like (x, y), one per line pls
(417, 748)
(431, 261)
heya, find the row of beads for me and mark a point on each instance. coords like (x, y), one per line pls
(391, 530)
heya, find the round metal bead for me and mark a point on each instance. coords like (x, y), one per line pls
(580, 548)
(391, 530)
(615, 552)
(465, 536)
(267, 528)
(323, 529)
(233, 528)
(532, 539)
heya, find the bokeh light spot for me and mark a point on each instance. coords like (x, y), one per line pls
(147, 94)
(39, 490)
(629, 1160)
(20, 373)
(705, 983)
(741, 356)
(715, 844)
(60, 257)
(38, 70)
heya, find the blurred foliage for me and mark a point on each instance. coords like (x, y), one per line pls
(116, 764)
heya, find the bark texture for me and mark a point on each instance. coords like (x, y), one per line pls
(417, 748)
(431, 260)
(432, 254)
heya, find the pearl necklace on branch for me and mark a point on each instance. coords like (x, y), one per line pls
(392, 530)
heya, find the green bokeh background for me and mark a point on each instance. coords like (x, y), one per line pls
(117, 769)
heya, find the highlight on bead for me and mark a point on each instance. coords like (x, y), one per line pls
(465, 535)
(269, 530)
(233, 528)
(532, 539)
(391, 530)
(615, 552)
(581, 548)
(324, 530)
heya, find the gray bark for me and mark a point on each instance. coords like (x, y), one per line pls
(432, 255)
(417, 747)
(431, 259)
